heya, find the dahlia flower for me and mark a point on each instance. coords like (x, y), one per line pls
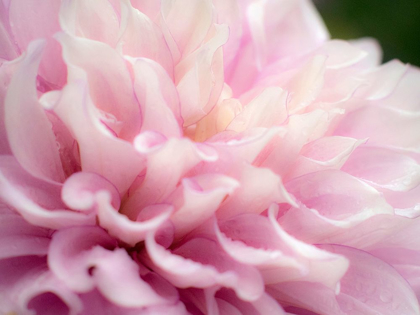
(203, 157)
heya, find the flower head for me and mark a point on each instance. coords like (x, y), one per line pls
(203, 157)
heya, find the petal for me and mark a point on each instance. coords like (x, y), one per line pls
(199, 77)
(23, 16)
(158, 97)
(266, 110)
(143, 38)
(257, 240)
(372, 286)
(94, 20)
(28, 129)
(255, 196)
(384, 168)
(110, 87)
(178, 155)
(114, 273)
(383, 126)
(201, 263)
(305, 29)
(19, 238)
(100, 149)
(324, 153)
(338, 196)
(182, 16)
(201, 197)
(37, 201)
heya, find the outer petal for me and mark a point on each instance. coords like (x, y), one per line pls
(338, 196)
(178, 155)
(372, 286)
(142, 38)
(94, 19)
(110, 87)
(101, 149)
(29, 132)
(199, 77)
(19, 238)
(37, 201)
(384, 168)
(182, 16)
(202, 196)
(158, 97)
(23, 15)
(383, 126)
(201, 263)
(114, 273)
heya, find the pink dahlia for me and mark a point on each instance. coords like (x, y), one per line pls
(203, 157)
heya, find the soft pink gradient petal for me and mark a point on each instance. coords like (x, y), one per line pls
(384, 126)
(80, 18)
(85, 264)
(76, 110)
(201, 198)
(110, 88)
(160, 110)
(141, 37)
(23, 15)
(201, 263)
(28, 129)
(36, 200)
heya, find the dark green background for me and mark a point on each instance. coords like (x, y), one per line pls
(395, 23)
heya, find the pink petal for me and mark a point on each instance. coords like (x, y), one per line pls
(201, 198)
(19, 238)
(384, 168)
(158, 97)
(23, 16)
(28, 129)
(109, 87)
(142, 38)
(338, 196)
(265, 110)
(199, 77)
(78, 113)
(383, 126)
(114, 273)
(201, 263)
(324, 153)
(178, 155)
(305, 28)
(7, 70)
(406, 94)
(259, 241)
(255, 196)
(37, 201)
(182, 16)
(372, 286)
(94, 20)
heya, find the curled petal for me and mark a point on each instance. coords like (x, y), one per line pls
(86, 264)
(202, 196)
(76, 110)
(160, 110)
(37, 201)
(141, 37)
(383, 126)
(109, 87)
(338, 196)
(384, 168)
(29, 132)
(95, 20)
(201, 263)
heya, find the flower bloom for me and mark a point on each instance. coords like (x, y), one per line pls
(203, 157)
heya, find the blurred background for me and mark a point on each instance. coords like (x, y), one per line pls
(394, 23)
